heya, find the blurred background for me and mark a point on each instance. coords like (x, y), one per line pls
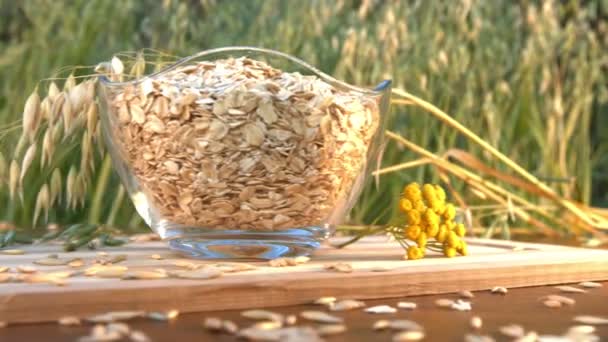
(529, 77)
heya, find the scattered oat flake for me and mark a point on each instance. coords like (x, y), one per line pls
(403, 324)
(262, 315)
(466, 294)
(570, 289)
(213, 324)
(320, 317)
(3, 269)
(331, 329)
(444, 302)
(138, 336)
(76, 263)
(114, 316)
(412, 335)
(69, 320)
(186, 264)
(282, 262)
(229, 327)
(461, 305)
(163, 316)
(12, 252)
(561, 299)
(581, 329)
(324, 300)
(346, 304)
(339, 267)
(380, 309)
(51, 262)
(531, 336)
(499, 290)
(144, 275)
(590, 284)
(233, 267)
(591, 320)
(200, 274)
(512, 330)
(5, 277)
(407, 305)
(477, 338)
(268, 325)
(156, 257)
(476, 322)
(381, 324)
(554, 338)
(26, 269)
(291, 319)
(552, 303)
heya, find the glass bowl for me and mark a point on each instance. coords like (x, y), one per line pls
(242, 152)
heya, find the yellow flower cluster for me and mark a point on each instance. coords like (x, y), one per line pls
(429, 216)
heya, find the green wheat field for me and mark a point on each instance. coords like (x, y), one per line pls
(528, 77)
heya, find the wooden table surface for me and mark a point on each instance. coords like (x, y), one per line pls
(520, 306)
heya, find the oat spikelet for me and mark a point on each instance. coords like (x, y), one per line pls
(116, 69)
(55, 188)
(53, 91)
(68, 114)
(21, 144)
(139, 67)
(57, 107)
(31, 115)
(47, 148)
(70, 83)
(13, 182)
(27, 161)
(85, 153)
(43, 202)
(80, 191)
(70, 186)
(45, 109)
(77, 96)
(92, 118)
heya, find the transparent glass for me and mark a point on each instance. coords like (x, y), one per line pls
(247, 229)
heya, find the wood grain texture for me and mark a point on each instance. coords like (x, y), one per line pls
(491, 263)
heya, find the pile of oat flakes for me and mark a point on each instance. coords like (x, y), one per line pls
(236, 143)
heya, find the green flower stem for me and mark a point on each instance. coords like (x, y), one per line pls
(100, 188)
(361, 235)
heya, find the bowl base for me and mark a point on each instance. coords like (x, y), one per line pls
(241, 244)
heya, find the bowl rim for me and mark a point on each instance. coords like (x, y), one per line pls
(378, 90)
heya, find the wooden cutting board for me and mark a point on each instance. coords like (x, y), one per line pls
(491, 263)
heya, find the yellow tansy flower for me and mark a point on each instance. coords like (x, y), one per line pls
(419, 205)
(412, 232)
(463, 249)
(414, 253)
(413, 216)
(422, 240)
(412, 191)
(431, 217)
(405, 205)
(460, 230)
(440, 193)
(432, 230)
(450, 212)
(428, 192)
(452, 239)
(449, 252)
(442, 233)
